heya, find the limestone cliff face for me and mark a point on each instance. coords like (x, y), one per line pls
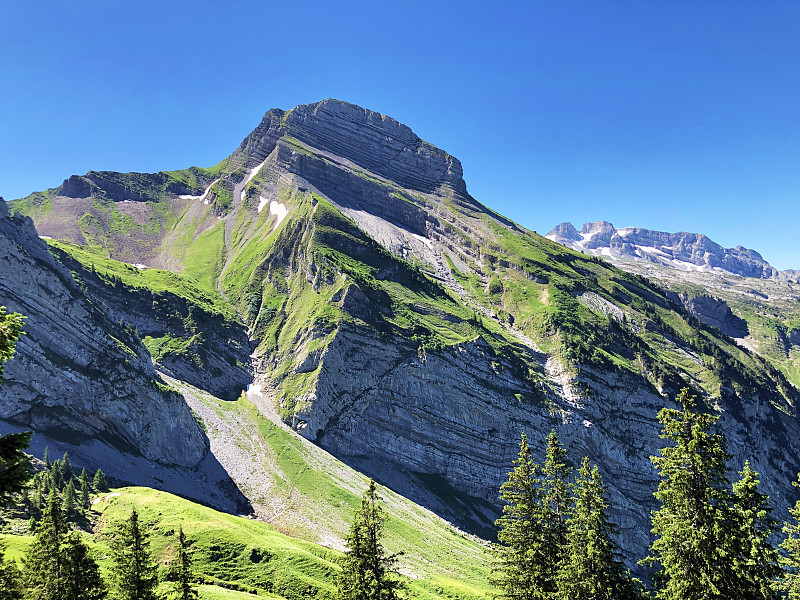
(218, 363)
(459, 413)
(76, 372)
(713, 312)
(366, 138)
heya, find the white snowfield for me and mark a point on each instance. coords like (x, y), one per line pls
(203, 196)
(424, 240)
(253, 172)
(279, 210)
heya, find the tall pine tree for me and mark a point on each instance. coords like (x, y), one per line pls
(591, 568)
(749, 532)
(518, 570)
(557, 503)
(134, 569)
(691, 549)
(790, 582)
(368, 573)
(181, 570)
(44, 564)
(84, 490)
(532, 530)
(99, 482)
(81, 575)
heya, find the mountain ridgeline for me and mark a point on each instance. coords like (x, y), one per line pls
(336, 263)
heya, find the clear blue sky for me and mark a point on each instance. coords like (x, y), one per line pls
(672, 115)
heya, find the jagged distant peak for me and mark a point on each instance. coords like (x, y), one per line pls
(681, 250)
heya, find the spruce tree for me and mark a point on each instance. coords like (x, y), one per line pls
(756, 559)
(56, 476)
(81, 579)
(100, 483)
(70, 501)
(557, 503)
(10, 578)
(790, 582)
(84, 490)
(367, 572)
(691, 550)
(591, 568)
(518, 569)
(14, 464)
(47, 462)
(66, 468)
(43, 570)
(135, 571)
(181, 570)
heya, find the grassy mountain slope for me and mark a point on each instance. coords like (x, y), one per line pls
(239, 554)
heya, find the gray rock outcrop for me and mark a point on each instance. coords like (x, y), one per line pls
(78, 374)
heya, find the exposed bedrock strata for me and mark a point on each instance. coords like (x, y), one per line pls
(459, 413)
(713, 312)
(367, 138)
(601, 238)
(76, 373)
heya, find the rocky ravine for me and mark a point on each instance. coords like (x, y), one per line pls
(77, 373)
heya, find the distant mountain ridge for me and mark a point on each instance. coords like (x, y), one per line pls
(685, 251)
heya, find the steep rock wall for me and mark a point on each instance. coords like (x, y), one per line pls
(76, 373)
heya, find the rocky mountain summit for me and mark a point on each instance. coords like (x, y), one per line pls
(402, 326)
(685, 251)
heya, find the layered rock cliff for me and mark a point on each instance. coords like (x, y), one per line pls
(77, 372)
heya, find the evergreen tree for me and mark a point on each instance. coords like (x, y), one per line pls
(591, 569)
(691, 546)
(56, 476)
(181, 570)
(135, 571)
(532, 531)
(100, 483)
(757, 560)
(69, 502)
(84, 490)
(790, 583)
(43, 566)
(519, 569)
(81, 580)
(14, 464)
(47, 462)
(10, 578)
(10, 330)
(557, 502)
(367, 572)
(66, 468)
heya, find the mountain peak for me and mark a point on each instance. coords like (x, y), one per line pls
(369, 139)
(682, 250)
